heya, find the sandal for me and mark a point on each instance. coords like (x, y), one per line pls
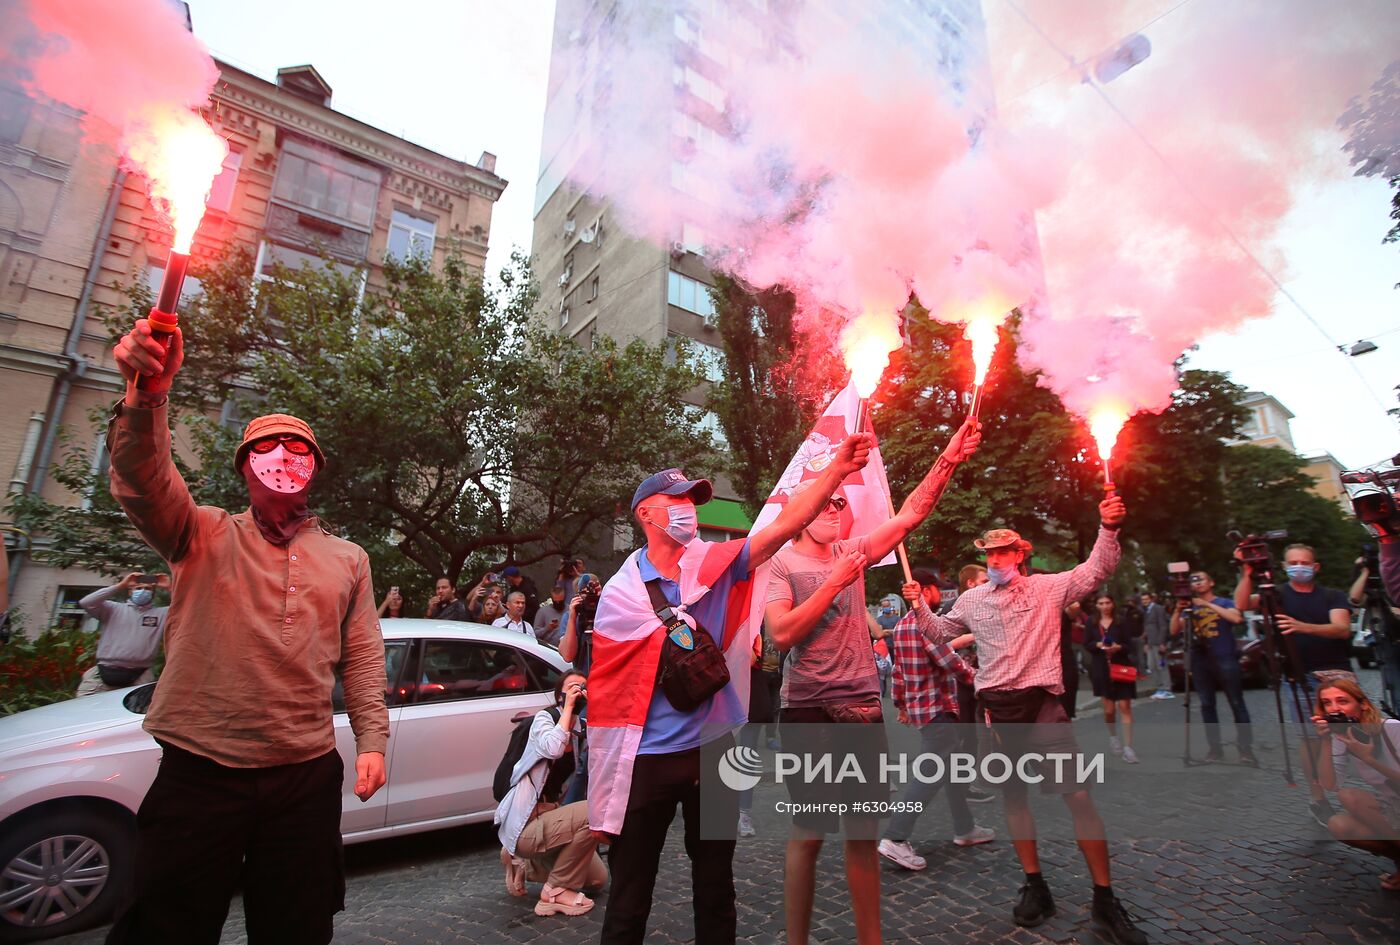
(516, 868)
(557, 899)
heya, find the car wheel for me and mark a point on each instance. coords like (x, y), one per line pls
(62, 871)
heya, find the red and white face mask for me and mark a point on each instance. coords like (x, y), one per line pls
(283, 464)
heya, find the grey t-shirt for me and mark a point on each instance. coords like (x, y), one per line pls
(834, 664)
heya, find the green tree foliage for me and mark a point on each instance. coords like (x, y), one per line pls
(457, 432)
(1266, 489)
(777, 381)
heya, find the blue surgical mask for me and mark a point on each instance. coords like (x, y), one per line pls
(1302, 573)
(142, 596)
(682, 523)
(1000, 576)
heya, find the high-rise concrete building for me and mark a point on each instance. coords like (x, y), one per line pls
(595, 275)
(299, 175)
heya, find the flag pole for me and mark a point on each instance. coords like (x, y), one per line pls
(900, 550)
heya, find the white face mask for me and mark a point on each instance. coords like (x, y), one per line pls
(682, 523)
(282, 471)
(824, 532)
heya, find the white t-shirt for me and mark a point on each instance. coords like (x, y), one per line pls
(519, 626)
(1388, 757)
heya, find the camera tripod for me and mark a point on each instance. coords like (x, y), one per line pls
(1385, 631)
(1284, 664)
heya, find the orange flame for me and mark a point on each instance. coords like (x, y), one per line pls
(982, 332)
(866, 345)
(180, 155)
(1105, 423)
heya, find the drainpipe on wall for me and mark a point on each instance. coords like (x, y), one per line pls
(76, 367)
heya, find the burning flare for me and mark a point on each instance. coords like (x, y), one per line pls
(866, 345)
(1105, 423)
(180, 155)
(982, 333)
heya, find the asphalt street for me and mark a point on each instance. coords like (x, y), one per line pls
(1216, 853)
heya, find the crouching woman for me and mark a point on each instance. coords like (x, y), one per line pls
(540, 840)
(1351, 725)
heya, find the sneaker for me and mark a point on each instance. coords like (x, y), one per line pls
(1322, 811)
(1130, 756)
(556, 899)
(901, 854)
(975, 836)
(1115, 744)
(1036, 905)
(1247, 758)
(1166, 694)
(975, 796)
(1112, 921)
(746, 824)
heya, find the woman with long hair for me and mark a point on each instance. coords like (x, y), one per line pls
(1108, 640)
(492, 606)
(1349, 724)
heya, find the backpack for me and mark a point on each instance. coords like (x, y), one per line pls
(515, 750)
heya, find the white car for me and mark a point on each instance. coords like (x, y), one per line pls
(72, 775)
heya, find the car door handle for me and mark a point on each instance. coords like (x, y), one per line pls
(520, 717)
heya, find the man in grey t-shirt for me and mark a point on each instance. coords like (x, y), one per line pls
(132, 631)
(816, 611)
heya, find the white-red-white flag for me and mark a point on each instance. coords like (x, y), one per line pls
(867, 491)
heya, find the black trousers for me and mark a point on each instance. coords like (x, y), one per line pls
(659, 783)
(204, 828)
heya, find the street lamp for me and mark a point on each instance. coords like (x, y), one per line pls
(1358, 349)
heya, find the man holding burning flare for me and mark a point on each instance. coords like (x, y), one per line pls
(1015, 620)
(268, 609)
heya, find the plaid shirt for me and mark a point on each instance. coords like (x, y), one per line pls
(926, 674)
(1017, 625)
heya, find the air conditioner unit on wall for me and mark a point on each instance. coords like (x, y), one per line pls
(677, 249)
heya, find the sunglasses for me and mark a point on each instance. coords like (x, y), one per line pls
(293, 444)
(836, 503)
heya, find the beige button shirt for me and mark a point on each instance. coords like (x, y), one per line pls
(255, 632)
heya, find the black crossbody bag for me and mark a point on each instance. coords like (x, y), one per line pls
(687, 676)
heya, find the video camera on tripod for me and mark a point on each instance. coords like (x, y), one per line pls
(1179, 575)
(1253, 550)
(1373, 496)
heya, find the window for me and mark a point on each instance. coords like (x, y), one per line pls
(67, 615)
(191, 288)
(689, 294)
(593, 289)
(395, 652)
(99, 470)
(542, 674)
(563, 314)
(326, 183)
(454, 669)
(410, 235)
(221, 191)
(708, 358)
(708, 422)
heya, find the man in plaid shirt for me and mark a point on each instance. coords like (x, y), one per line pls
(926, 677)
(1015, 619)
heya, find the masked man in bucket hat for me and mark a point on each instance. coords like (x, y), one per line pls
(1015, 620)
(268, 609)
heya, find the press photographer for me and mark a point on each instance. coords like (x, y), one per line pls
(1315, 625)
(1381, 618)
(1350, 725)
(1372, 493)
(1215, 661)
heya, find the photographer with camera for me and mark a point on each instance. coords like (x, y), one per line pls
(131, 633)
(1349, 724)
(1372, 494)
(1215, 662)
(1315, 623)
(576, 645)
(1381, 617)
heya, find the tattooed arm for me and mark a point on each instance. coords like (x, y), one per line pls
(922, 500)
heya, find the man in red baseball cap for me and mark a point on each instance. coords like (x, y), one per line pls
(267, 608)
